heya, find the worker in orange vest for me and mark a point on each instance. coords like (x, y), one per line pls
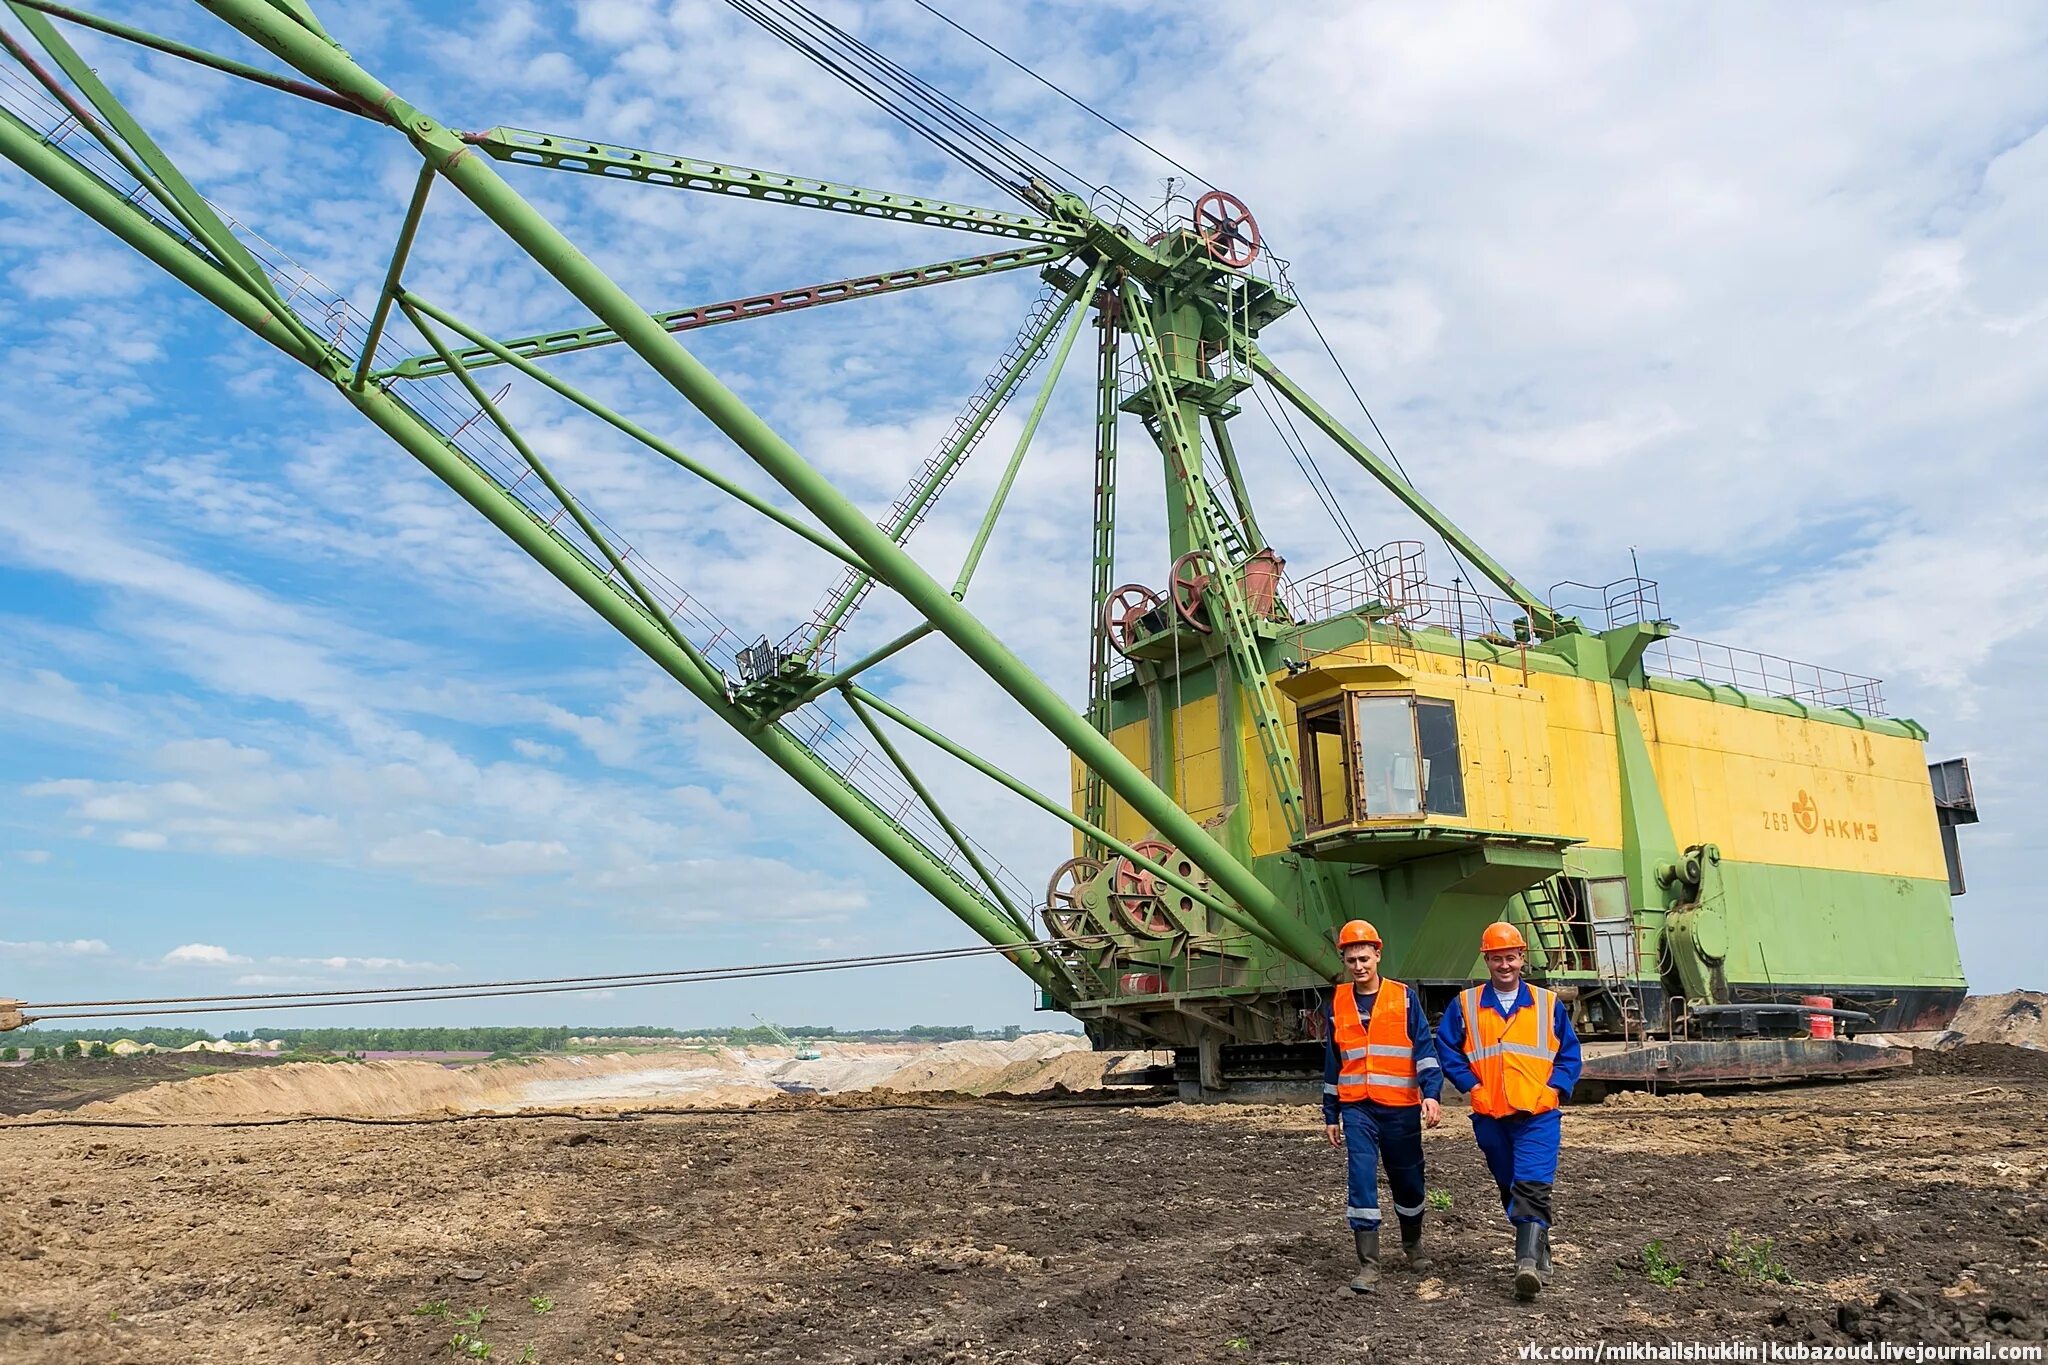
(1381, 1079)
(1510, 1047)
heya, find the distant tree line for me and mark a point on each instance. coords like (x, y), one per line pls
(40, 1042)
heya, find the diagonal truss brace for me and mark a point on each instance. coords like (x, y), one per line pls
(966, 845)
(525, 147)
(603, 593)
(139, 155)
(564, 340)
(908, 512)
(1077, 314)
(278, 26)
(554, 253)
(738, 492)
(1542, 620)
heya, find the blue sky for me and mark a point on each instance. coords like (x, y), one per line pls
(1755, 293)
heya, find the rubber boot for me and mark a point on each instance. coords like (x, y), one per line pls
(1543, 1255)
(1411, 1242)
(1368, 1241)
(1528, 1281)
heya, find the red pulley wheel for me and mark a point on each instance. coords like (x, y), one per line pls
(1192, 574)
(1123, 610)
(1227, 229)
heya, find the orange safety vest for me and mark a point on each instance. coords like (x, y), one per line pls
(1376, 1058)
(1511, 1057)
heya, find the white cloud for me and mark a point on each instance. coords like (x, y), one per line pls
(369, 964)
(146, 839)
(538, 752)
(203, 954)
(33, 856)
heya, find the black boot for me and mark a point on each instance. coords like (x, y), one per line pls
(1543, 1255)
(1411, 1242)
(1528, 1281)
(1368, 1240)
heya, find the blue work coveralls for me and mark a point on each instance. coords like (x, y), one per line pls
(1373, 1131)
(1520, 1149)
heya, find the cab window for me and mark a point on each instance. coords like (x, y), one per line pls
(1436, 735)
(1386, 756)
(1327, 757)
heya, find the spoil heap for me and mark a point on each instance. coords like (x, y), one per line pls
(2016, 1017)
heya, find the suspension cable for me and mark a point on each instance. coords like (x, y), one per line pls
(387, 995)
(948, 145)
(1457, 561)
(1327, 499)
(971, 122)
(1063, 94)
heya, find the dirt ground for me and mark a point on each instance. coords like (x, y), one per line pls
(67, 1084)
(864, 1228)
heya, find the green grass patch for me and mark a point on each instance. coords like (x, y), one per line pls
(1660, 1267)
(1753, 1262)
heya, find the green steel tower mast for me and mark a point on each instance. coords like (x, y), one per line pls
(1170, 927)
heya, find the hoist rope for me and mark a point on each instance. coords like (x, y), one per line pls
(387, 995)
(949, 145)
(1456, 560)
(1062, 93)
(954, 109)
(973, 140)
(1305, 461)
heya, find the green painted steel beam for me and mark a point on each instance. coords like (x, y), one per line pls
(566, 339)
(162, 177)
(1102, 566)
(1088, 829)
(745, 496)
(1078, 314)
(566, 500)
(938, 472)
(141, 158)
(474, 177)
(104, 205)
(1017, 916)
(1541, 619)
(1233, 475)
(520, 146)
(407, 229)
(198, 56)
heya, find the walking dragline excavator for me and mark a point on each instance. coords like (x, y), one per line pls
(1697, 840)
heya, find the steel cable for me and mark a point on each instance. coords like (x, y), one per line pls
(776, 26)
(384, 995)
(997, 139)
(1456, 560)
(1063, 94)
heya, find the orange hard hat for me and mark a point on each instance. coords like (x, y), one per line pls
(1358, 931)
(1501, 936)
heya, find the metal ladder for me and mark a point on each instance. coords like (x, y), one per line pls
(1102, 575)
(1239, 629)
(1553, 933)
(915, 502)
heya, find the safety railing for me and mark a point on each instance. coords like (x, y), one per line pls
(1686, 659)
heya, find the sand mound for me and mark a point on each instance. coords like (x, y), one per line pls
(370, 1089)
(976, 1067)
(2016, 1017)
(712, 1078)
